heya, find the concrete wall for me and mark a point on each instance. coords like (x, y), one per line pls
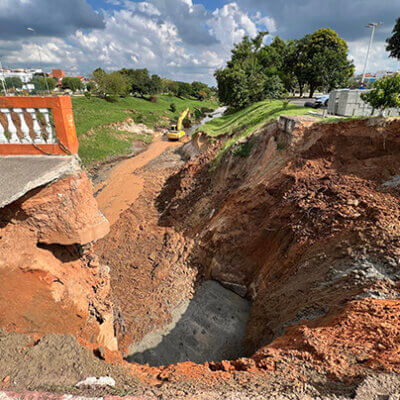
(347, 103)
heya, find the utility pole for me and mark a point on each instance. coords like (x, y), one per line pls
(40, 58)
(3, 80)
(372, 25)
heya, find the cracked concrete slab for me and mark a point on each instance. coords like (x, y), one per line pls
(20, 174)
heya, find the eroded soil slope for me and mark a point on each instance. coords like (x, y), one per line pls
(50, 279)
(309, 224)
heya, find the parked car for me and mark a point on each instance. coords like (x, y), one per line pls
(320, 101)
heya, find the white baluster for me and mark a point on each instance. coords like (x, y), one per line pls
(49, 128)
(24, 126)
(36, 127)
(11, 127)
(3, 138)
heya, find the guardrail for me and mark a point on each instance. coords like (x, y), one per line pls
(37, 126)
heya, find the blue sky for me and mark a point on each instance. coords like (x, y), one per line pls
(179, 39)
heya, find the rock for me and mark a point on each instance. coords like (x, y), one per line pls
(353, 202)
(72, 218)
(49, 280)
(240, 290)
(93, 381)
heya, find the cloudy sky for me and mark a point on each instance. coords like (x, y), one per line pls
(180, 39)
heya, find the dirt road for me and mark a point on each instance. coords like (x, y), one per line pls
(122, 187)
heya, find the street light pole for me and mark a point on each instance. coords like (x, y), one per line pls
(3, 80)
(40, 59)
(372, 25)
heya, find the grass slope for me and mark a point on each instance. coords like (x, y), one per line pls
(98, 142)
(242, 123)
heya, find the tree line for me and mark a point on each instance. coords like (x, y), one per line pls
(137, 82)
(140, 83)
(256, 71)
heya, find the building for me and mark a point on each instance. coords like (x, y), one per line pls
(57, 74)
(26, 75)
(370, 77)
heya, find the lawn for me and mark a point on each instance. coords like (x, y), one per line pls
(99, 142)
(242, 123)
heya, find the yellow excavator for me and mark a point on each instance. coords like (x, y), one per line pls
(176, 132)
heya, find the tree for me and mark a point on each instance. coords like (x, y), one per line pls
(13, 82)
(140, 81)
(200, 90)
(253, 73)
(184, 89)
(393, 43)
(90, 86)
(72, 83)
(202, 95)
(322, 61)
(385, 93)
(110, 86)
(170, 86)
(155, 84)
(40, 83)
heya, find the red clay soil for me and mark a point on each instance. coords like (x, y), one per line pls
(150, 273)
(48, 285)
(308, 223)
(323, 255)
(122, 186)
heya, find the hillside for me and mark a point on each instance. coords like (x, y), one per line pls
(237, 125)
(99, 141)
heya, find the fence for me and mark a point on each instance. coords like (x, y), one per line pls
(37, 126)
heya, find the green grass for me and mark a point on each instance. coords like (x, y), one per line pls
(99, 142)
(242, 123)
(103, 143)
(90, 113)
(336, 120)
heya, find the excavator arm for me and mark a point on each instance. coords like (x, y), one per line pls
(181, 118)
(176, 131)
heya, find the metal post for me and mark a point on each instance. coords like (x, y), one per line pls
(372, 25)
(3, 80)
(40, 59)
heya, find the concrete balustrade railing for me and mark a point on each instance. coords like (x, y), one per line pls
(37, 125)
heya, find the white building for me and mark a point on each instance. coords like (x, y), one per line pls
(25, 75)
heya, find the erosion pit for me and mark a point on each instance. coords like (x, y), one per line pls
(209, 327)
(305, 229)
(306, 224)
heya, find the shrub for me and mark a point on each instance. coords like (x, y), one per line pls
(385, 93)
(172, 107)
(243, 150)
(72, 83)
(88, 95)
(139, 119)
(285, 104)
(186, 123)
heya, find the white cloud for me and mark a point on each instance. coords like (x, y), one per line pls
(378, 58)
(161, 35)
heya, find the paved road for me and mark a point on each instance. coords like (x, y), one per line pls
(300, 101)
